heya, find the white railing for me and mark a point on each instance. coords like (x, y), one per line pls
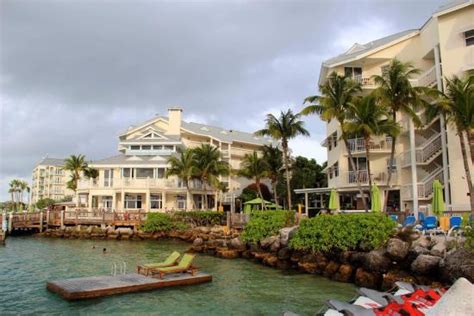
(424, 153)
(128, 183)
(425, 187)
(150, 152)
(364, 81)
(425, 79)
(361, 174)
(358, 145)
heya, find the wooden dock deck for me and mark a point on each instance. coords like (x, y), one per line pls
(98, 286)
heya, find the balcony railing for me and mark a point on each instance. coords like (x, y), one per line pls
(151, 152)
(425, 188)
(426, 79)
(358, 145)
(377, 177)
(425, 153)
(364, 81)
(137, 184)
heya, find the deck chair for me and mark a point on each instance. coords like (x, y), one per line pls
(184, 265)
(455, 222)
(431, 222)
(409, 221)
(147, 269)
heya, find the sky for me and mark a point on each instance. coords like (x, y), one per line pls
(73, 75)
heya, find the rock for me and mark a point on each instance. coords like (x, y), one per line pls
(198, 242)
(309, 267)
(408, 234)
(345, 256)
(204, 229)
(358, 258)
(260, 255)
(439, 249)
(246, 254)
(197, 248)
(270, 260)
(267, 242)
(366, 279)
(217, 230)
(377, 261)
(331, 268)
(397, 249)
(419, 250)
(389, 279)
(425, 264)
(286, 234)
(423, 241)
(227, 253)
(236, 243)
(254, 248)
(283, 265)
(284, 253)
(313, 263)
(458, 263)
(275, 246)
(296, 256)
(344, 273)
(124, 231)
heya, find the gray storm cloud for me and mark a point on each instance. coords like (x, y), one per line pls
(75, 74)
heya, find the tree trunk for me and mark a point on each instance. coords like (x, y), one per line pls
(259, 191)
(392, 157)
(470, 138)
(275, 194)
(466, 169)
(351, 161)
(287, 172)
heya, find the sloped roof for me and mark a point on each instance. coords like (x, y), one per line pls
(224, 134)
(452, 5)
(360, 49)
(130, 160)
(47, 161)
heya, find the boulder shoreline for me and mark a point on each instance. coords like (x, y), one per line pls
(435, 261)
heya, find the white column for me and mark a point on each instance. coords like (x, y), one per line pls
(114, 201)
(147, 199)
(89, 202)
(163, 199)
(306, 203)
(414, 178)
(444, 145)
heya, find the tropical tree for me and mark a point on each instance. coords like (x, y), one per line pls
(255, 168)
(209, 166)
(13, 190)
(333, 104)
(274, 161)
(91, 173)
(397, 94)
(75, 164)
(287, 126)
(367, 118)
(457, 105)
(183, 167)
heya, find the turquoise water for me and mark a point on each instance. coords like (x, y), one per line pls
(239, 287)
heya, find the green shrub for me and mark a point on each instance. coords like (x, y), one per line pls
(200, 218)
(159, 222)
(326, 233)
(264, 224)
(469, 242)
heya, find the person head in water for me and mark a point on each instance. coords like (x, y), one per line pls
(104, 250)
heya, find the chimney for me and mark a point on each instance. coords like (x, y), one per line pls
(174, 121)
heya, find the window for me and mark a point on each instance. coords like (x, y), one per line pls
(108, 177)
(107, 202)
(181, 201)
(392, 166)
(168, 147)
(384, 70)
(157, 147)
(144, 172)
(134, 147)
(160, 173)
(156, 201)
(146, 147)
(353, 72)
(133, 201)
(360, 163)
(469, 36)
(127, 173)
(336, 169)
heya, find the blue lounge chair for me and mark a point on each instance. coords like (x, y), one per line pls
(431, 222)
(409, 221)
(421, 217)
(394, 218)
(455, 222)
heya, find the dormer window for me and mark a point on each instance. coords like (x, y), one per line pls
(353, 72)
(469, 36)
(135, 147)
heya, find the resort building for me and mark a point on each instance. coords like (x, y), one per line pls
(136, 177)
(442, 47)
(49, 180)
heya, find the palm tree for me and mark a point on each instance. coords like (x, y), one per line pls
(333, 104)
(273, 157)
(367, 118)
(14, 190)
(209, 166)
(91, 173)
(284, 128)
(397, 94)
(457, 104)
(254, 167)
(183, 167)
(75, 164)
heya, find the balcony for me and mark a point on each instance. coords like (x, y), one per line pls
(377, 177)
(151, 152)
(365, 82)
(426, 79)
(357, 145)
(145, 183)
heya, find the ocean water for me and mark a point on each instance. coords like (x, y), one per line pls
(239, 286)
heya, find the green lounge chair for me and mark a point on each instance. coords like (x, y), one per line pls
(184, 265)
(146, 269)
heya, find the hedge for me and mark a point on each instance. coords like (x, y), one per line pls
(264, 224)
(200, 218)
(160, 222)
(327, 233)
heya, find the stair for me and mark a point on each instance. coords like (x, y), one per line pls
(425, 186)
(425, 154)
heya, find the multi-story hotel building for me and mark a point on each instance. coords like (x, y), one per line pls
(136, 178)
(442, 47)
(49, 180)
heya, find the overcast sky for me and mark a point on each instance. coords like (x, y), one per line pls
(75, 74)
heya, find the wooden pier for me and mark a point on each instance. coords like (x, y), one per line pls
(99, 286)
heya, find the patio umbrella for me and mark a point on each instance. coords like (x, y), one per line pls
(375, 199)
(333, 200)
(437, 202)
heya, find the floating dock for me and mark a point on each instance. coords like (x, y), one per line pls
(99, 286)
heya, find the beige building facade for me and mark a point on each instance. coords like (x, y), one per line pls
(136, 178)
(442, 47)
(49, 181)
